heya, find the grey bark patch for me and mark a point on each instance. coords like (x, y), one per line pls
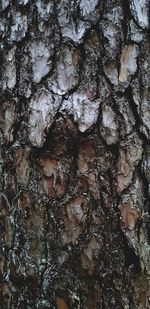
(42, 110)
(139, 9)
(85, 111)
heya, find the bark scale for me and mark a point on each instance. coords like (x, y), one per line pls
(75, 171)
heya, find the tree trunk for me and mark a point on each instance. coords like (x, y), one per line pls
(74, 133)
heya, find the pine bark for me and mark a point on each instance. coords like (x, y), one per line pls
(74, 154)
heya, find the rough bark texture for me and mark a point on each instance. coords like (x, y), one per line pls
(75, 154)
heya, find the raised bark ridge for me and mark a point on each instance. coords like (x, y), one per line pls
(74, 155)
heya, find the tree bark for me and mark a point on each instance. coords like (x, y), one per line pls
(75, 171)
